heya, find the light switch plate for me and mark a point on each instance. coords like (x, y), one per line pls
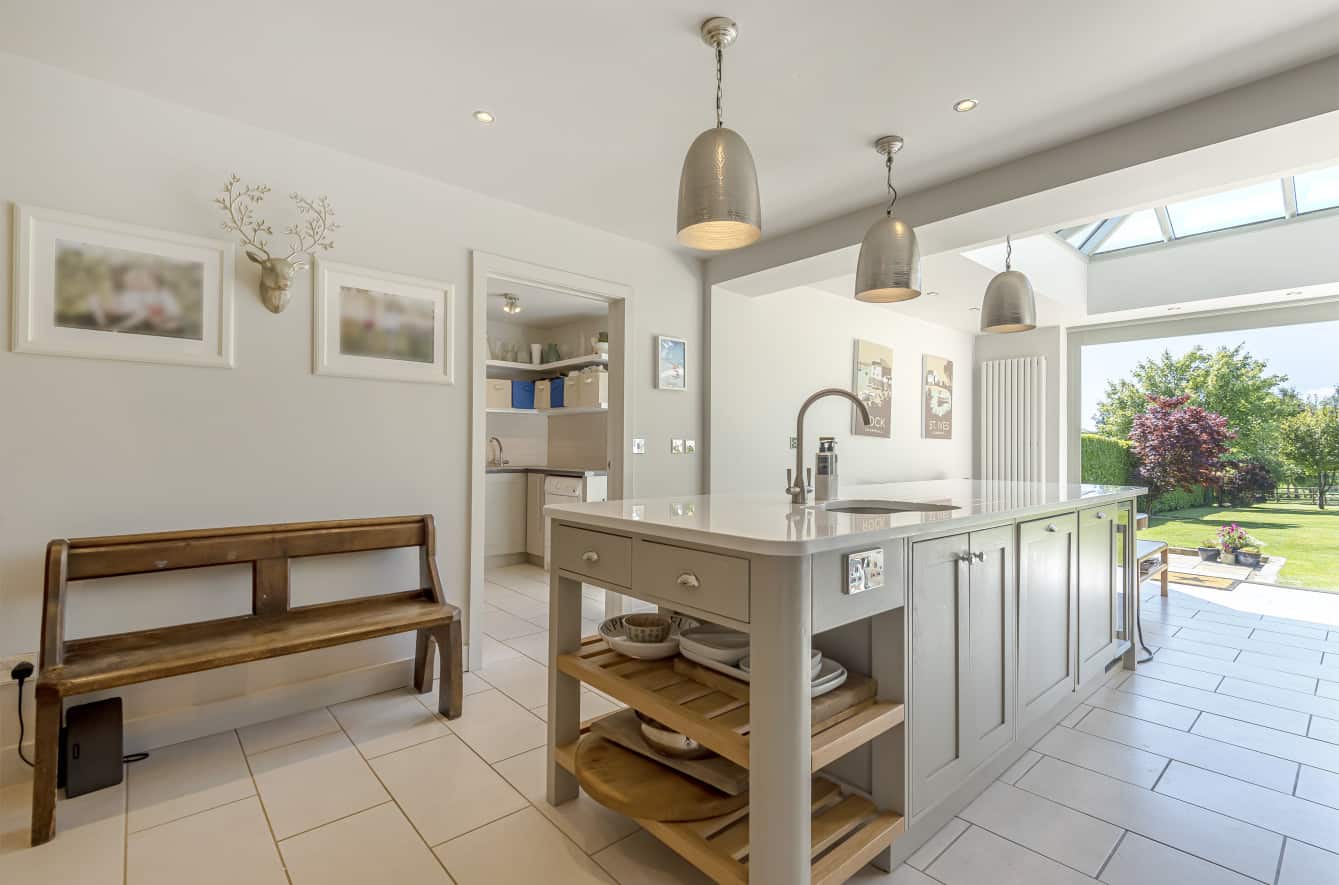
(639, 445)
(690, 446)
(794, 442)
(676, 447)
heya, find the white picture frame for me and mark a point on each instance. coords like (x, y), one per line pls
(43, 241)
(671, 363)
(335, 286)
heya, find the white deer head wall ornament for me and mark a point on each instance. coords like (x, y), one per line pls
(312, 231)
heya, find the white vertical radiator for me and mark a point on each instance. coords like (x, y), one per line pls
(1013, 419)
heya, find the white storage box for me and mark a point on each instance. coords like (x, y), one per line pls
(542, 395)
(499, 393)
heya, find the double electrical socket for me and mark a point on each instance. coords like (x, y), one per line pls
(683, 447)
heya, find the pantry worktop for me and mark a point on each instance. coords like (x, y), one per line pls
(770, 524)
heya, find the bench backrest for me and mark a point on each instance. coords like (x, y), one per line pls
(268, 548)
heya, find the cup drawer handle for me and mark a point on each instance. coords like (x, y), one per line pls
(590, 556)
(689, 580)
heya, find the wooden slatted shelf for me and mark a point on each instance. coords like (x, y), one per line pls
(714, 709)
(845, 833)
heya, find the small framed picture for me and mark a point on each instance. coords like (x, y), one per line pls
(384, 326)
(937, 397)
(88, 287)
(671, 363)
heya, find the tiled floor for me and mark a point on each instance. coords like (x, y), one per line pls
(1217, 763)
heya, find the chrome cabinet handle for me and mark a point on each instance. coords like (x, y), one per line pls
(690, 580)
(963, 557)
(979, 556)
(1101, 514)
(1051, 527)
(590, 556)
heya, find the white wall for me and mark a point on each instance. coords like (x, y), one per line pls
(1049, 342)
(768, 353)
(97, 447)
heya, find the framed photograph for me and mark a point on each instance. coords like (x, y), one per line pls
(872, 383)
(88, 287)
(671, 363)
(936, 397)
(384, 326)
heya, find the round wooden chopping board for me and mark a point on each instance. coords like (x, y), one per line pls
(639, 787)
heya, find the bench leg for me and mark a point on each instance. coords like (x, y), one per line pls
(450, 680)
(422, 661)
(46, 748)
(1163, 578)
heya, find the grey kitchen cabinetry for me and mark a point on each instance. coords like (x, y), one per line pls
(1047, 609)
(534, 523)
(504, 514)
(963, 654)
(1099, 599)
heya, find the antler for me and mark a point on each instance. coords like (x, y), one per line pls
(239, 203)
(313, 227)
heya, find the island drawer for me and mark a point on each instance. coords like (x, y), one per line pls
(598, 555)
(846, 592)
(710, 582)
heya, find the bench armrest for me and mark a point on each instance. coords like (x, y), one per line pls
(52, 653)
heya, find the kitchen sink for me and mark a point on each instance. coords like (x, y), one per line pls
(871, 507)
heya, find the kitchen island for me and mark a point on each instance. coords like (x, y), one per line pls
(983, 611)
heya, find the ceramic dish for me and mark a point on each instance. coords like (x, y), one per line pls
(668, 742)
(815, 664)
(646, 627)
(718, 644)
(614, 635)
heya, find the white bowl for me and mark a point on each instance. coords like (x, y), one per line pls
(713, 643)
(815, 664)
(612, 632)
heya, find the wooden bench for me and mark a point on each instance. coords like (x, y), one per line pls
(1146, 550)
(73, 667)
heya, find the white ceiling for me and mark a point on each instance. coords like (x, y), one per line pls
(542, 308)
(596, 101)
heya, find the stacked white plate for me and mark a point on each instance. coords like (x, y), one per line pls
(616, 637)
(727, 651)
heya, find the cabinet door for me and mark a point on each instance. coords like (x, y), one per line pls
(534, 507)
(991, 643)
(1098, 618)
(1047, 625)
(504, 513)
(939, 659)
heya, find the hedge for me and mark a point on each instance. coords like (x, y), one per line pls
(1105, 460)
(1181, 499)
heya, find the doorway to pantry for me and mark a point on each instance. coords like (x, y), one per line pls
(549, 426)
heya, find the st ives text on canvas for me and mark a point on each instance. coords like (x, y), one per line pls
(116, 290)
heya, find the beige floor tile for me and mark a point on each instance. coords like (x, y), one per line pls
(521, 679)
(187, 778)
(1114, 759)
(1305, 750)
(1263, 675)
(642, 859)
(1297, 637)
(1075, 715)
(1307, 865)
(445, 789)
(1156, 669)
(1303, 702)
(1019, 768)
(903, 875)
(384, 723)
(376, 845)
(1069, 837)
(288, 730)
(495, 651)
(936, 845)
(592, 705)
(1140, 861)
(585, 821)
(502, 625)
(1297, 652)
(490, 855)
(314, 782)
(979, 856)
(497, 727)
(1238, 762)
(513, 603)
(1324, 729)
(1206, 834)
(1318, 786)
(1223, 705)
(535, 646)
(1146, 708)
(89, 848)
(222, 846)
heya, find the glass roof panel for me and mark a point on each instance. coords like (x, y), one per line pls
(1318, 189)
(1077, 236)
(1138, 229)
(1244, 205)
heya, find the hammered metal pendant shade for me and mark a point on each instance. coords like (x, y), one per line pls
(889, 267)
(718, 193)
(1009, 304)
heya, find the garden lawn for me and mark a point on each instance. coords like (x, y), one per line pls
(1306, 535)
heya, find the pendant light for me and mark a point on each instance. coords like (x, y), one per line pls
(1009, 305)
(889, 267)
(718, 190)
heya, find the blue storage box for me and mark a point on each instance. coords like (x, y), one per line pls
(556, 393)
(522, 394)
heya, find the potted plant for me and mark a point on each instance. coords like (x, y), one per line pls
(1249, 556)
(1209, 550)
(1238, 543)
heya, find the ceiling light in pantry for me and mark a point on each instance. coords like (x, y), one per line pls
(484, 117)
(963, 105)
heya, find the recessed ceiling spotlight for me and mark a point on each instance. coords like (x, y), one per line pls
(1174, 308)
(484, 117)
(963, 105)
(1295, 292)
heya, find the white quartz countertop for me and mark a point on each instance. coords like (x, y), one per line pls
(771, 525)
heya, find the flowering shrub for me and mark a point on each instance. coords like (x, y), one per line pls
(1232, 538)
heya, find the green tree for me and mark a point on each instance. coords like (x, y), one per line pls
(1310, 445)
(1228, 381)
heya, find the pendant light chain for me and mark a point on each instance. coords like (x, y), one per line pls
(1008, 252)
(892, 191)
(720, 61)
